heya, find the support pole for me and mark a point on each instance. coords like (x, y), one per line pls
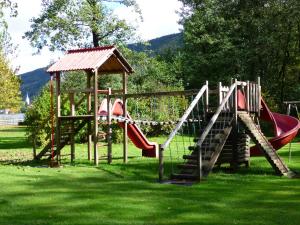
(89, 109)
(206, 97)
(95, 134)
(220, 93)
(58, 114)
(109, 129)
(161, 164)
(258, 96)
(125, 132)
(72, 128)
(235, 128)
(247, 96)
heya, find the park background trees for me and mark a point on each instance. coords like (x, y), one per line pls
(243, 39)
(9, 82)
(222, 40)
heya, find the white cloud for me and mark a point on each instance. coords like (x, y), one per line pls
(160, 18)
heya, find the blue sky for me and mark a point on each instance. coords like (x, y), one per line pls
(160, 18)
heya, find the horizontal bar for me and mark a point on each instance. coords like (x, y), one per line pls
(156, 94)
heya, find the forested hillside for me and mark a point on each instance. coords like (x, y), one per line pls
(33, 81)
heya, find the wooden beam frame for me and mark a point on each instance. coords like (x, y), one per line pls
(58, 113)
(89, 109)
(95, 114)
(125, 134)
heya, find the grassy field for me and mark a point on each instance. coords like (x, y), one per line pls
(33, 194)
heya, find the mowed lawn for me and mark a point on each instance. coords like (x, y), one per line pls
(31, 193)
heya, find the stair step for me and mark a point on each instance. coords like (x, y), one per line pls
(193, 148)
(187, 166)
(193, 157)
(184, 177)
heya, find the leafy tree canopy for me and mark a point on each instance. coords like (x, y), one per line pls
(6, 6)
(65, 24)
(244, 39)
(9, 87)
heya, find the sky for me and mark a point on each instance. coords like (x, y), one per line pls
(159, 18)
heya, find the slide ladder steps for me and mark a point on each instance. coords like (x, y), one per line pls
(211, 149)
(266, 147)
(65, 140)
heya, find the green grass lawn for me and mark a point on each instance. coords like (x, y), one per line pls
(33, 194)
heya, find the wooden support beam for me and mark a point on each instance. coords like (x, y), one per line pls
(156, 94)
(235, 128)
(95, 114)
(72, 128)
(109, 129)
(220, 92)
(89, 109)
(161, 164)
(258, 96)
(247, 96)
(125, 132)
(58, 113)
(78, 91)
(206, 97)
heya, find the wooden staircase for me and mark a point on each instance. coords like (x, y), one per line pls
(210, 151)
(65, 139)
(265, 146)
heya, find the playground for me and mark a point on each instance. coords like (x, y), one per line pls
(201, 169)
(130, 194)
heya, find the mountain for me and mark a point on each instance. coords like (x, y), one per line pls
(159, 45)
(33, 81)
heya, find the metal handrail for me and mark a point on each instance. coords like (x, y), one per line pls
(185, 116)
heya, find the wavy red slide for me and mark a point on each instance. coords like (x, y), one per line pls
(149, 149)
(285, 127)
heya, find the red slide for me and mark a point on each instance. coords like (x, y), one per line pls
(149, 149)
(285, 127)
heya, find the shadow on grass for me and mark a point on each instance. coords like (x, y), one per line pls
(101, 197)
(14, 143)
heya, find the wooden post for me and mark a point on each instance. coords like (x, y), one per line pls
(125, 134)
(220, 93)
(235, 128)
(109, 129)
(258, 96)
(161, 164)
(247, 96)
(72, 139)
(200, 172)
(96, 155)
(89, 109)
(206, 97)
(58, 114)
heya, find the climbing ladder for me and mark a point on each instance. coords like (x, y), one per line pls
(205, 154)
(265, 146)
(67, 132)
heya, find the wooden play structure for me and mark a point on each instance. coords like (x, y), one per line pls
(94, 62)
(213, 129)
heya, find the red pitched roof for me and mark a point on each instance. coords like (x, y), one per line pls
(107, 58)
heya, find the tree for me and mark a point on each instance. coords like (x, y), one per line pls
(9, 83)
(9, 87)
(243, 39)
(65, 24)
(5, 39)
